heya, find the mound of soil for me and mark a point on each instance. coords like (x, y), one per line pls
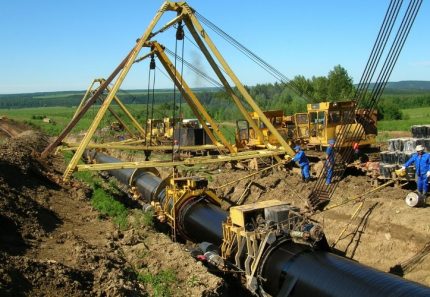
(52, 242)
(386, 234)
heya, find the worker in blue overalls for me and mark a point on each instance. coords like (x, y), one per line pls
(329, 161)
(303, 161)
(421, 160)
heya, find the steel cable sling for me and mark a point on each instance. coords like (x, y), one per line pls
(195, 69)
(180, 97)
(256, 59)
(321, 193)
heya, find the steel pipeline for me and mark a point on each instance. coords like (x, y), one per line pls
(287, 269)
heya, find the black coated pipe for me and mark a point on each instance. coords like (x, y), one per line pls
(288, 269)
(200, 220)
(292, 270)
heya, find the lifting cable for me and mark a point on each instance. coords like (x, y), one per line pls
(197, 71)
(147, 108)
(215, 61)
(179, 36)
(152, 103)
(256, 59)
(321, 192)
(359, 198)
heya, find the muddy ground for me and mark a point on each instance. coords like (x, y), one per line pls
(53, 242)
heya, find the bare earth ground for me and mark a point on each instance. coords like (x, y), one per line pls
(53, 243)
(387, 234)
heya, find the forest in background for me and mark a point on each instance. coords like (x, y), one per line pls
(291, 97)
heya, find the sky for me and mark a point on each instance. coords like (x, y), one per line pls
(49, 45)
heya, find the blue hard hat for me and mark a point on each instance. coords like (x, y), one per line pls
(331, 141)
(297, 148)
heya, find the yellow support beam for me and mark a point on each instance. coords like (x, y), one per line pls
(191, 98)
(74, 146)
(236, 81)
(85, 98)
(131, 58)
(191, 161)
(223, 80)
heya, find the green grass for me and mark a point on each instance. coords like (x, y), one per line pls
(413, 116)
(140, 218)
(60, 116)
(101, 198)
(107, 205)
(160, 283)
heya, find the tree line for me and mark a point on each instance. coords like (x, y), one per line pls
(291, 97)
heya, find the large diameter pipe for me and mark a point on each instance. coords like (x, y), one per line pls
(201, 221)
(291, 270)
(146, 182)
(288, 269)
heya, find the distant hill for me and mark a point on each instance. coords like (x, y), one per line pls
(408, 85)
(72, 98)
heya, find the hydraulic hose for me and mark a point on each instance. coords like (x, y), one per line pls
(287, 269)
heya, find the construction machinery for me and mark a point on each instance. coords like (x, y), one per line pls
(322, 121)
(184, 15)
(162, 130)
(247, 137)
(276, 249)
(271, 245)
(367, 96)
(325, 120)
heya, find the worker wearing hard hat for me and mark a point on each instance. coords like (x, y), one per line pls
(329, 161)
(421, 160)
(303, 161)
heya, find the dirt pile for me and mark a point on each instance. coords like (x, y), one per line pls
(53, 242)
(387, 234)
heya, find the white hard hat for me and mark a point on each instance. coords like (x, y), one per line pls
(419, 148)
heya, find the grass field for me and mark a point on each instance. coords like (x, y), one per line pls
(62, 115)
(413, 116)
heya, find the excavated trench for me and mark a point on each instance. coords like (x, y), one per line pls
(289, 269)
(44, 223)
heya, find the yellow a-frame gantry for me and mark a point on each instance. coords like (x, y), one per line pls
(184, 14)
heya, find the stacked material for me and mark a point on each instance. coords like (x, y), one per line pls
(421, 131)
(401, 149)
